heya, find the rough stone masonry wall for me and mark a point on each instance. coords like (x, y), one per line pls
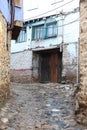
(4, 59)
(81, 102)
(69, 73)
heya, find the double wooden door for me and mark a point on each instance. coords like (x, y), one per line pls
(50, 67)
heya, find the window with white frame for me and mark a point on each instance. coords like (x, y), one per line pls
(22, 36)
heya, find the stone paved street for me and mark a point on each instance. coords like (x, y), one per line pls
(39, 107)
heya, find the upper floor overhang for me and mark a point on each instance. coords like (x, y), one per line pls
(12, 11)
(16, 30)
(18, 19)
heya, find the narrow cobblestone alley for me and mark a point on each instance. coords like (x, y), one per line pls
(39, 107)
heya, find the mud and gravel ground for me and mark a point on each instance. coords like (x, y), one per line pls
(39, 107)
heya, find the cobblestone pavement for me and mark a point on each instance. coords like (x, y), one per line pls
(39, 107)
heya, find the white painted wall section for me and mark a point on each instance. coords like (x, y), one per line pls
(22, 60)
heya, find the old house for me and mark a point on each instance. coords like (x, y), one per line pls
(81, 103)
(47, 47)
(10, 24)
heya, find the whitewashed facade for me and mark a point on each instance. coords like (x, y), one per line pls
(25, 53)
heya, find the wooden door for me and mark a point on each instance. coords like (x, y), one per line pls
(45, 68)
(50, 68)
(56, 67)
(54, 64)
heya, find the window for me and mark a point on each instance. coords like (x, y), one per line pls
(44, 31)
(22, 36)
(51, 30)
(38, 32)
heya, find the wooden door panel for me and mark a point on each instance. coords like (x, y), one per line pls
(51, 66)
(56, 66)
(45, 68)
(54, 74)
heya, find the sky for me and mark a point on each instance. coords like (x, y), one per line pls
(33, 8)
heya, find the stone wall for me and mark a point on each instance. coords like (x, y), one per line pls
(70, 62)
(4, 59)
(35, 67)
(21, 75)
(21, 67)
(24, 67)
(81, 102)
